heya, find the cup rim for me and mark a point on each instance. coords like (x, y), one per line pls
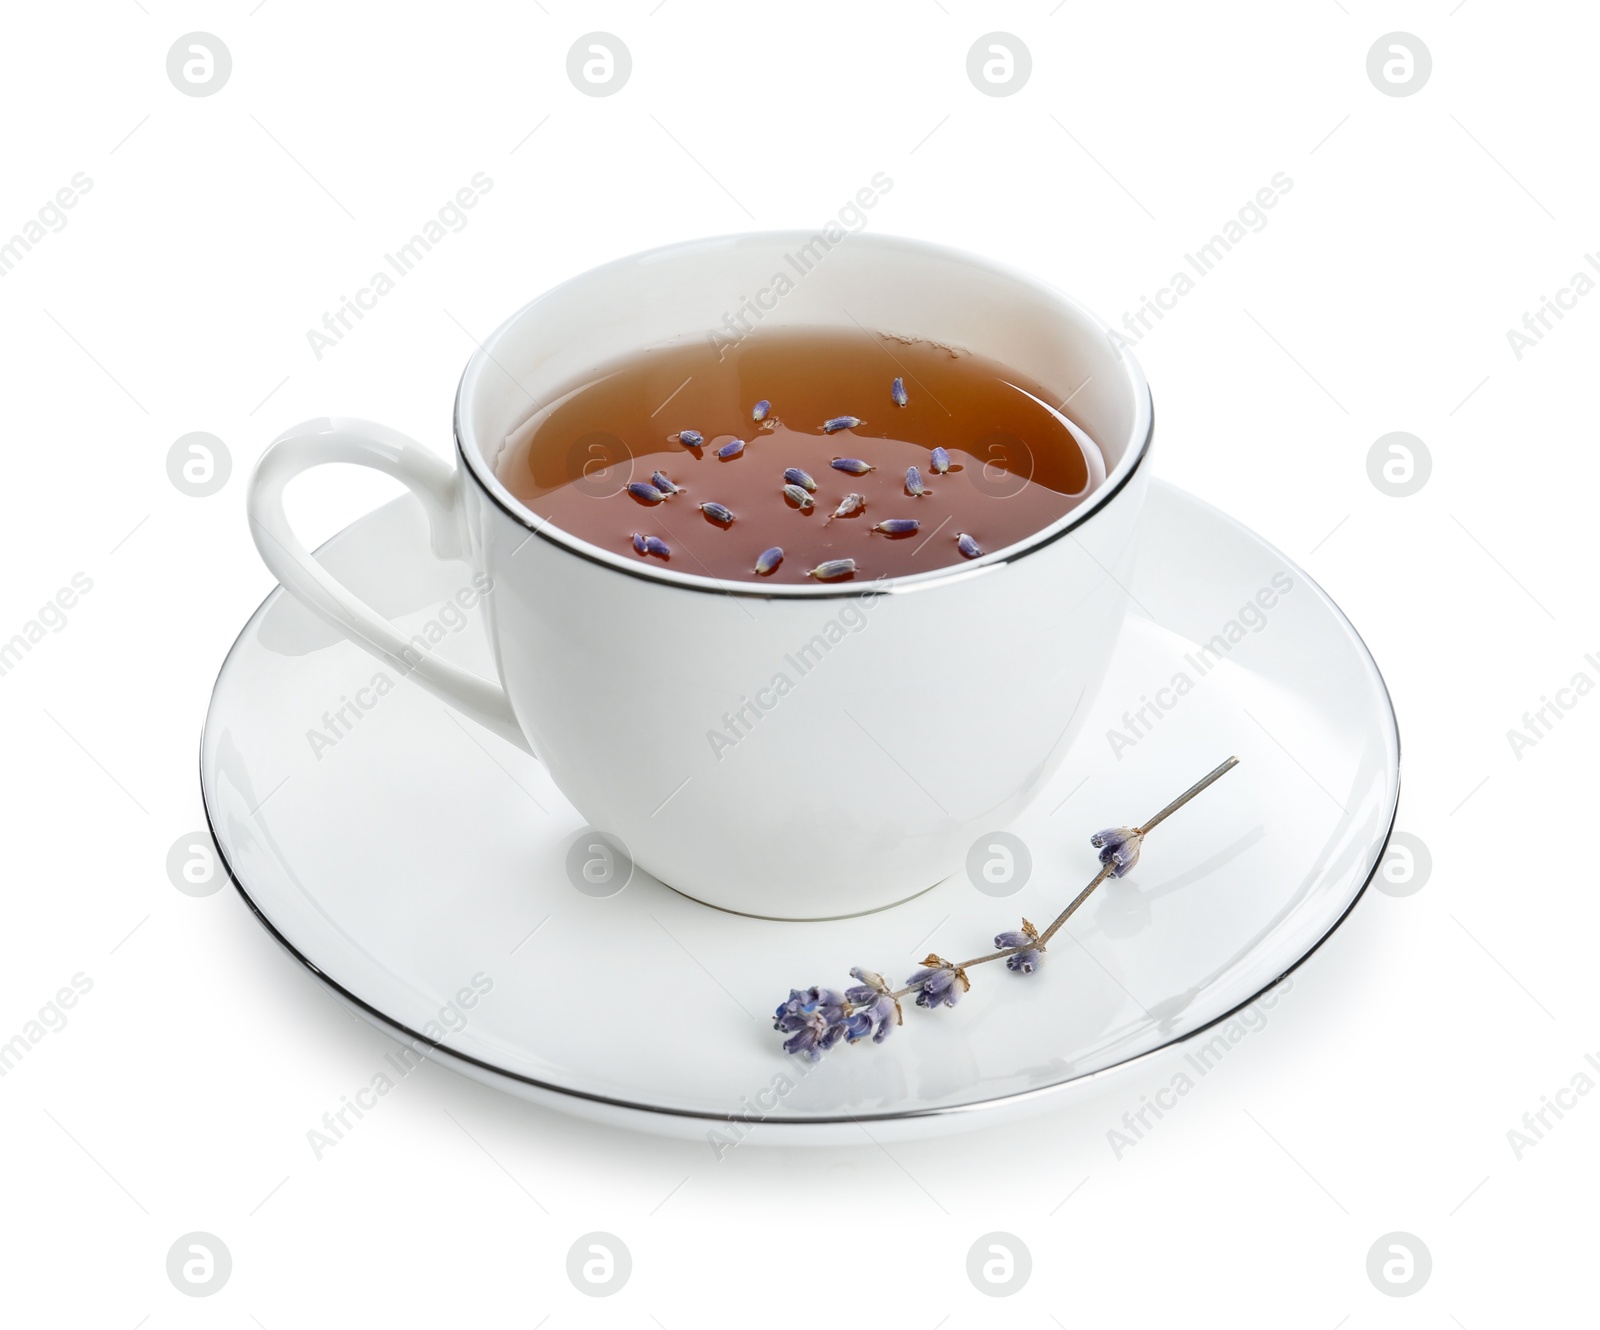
(477, 466)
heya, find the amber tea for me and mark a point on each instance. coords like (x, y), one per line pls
(803, 456)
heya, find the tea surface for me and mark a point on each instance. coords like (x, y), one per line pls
(1012, 462)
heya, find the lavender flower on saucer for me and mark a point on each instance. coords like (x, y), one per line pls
(936, 984)
(1023, 946)
(815, 1019)
(1119, 848)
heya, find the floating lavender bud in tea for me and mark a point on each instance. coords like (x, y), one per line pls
(650, 545)
(938, 461)
(660, 481)
(732, 449)
(967, 545)
(718, 513)
(760, 412)
(795, 476)
(852, 465)
(849, 505)
(691, 438)
(832, 570)
(897, 390)
(840, 422)
(768, 560)
(897, 526)
(797, 495)
(914, 486)
(645, 493)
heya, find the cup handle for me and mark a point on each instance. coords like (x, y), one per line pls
(438, 486)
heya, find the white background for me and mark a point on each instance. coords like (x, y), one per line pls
(220, 228)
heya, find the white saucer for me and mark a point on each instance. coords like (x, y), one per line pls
(418, 865)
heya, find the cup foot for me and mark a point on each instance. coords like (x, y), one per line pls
(800, 919)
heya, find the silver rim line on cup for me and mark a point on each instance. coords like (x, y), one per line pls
(445, 1054)
(548, 531)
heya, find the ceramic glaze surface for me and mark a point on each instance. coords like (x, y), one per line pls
(419, 850)
(806, 757)
(792, 752)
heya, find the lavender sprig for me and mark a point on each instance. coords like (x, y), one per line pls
(815, 1019)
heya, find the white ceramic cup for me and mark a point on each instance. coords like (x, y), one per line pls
(870, 734)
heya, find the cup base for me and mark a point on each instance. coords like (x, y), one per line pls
(801, 919)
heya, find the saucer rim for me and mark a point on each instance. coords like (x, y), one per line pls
(445, 1054)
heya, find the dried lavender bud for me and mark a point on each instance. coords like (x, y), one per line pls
(874, 1018)
(1119, 848)
(938, 461)
(760, 412)
(691, 438)
(937, 983)
(645, 493)
(852, 465)
(840, 422)
(851, 503)
(768, 560)
(650, 545)
(914, 486)
(795, 476)
(897, 390)
(873, 981)
(798, 496)
(967, 545)
(814, 1018)
(897, 526)
(832, 570)
(732, 449)
(1027, 960)
(660, 481)
(718, 513)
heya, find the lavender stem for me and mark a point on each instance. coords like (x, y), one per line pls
(1038, 944)
(1189, 794)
